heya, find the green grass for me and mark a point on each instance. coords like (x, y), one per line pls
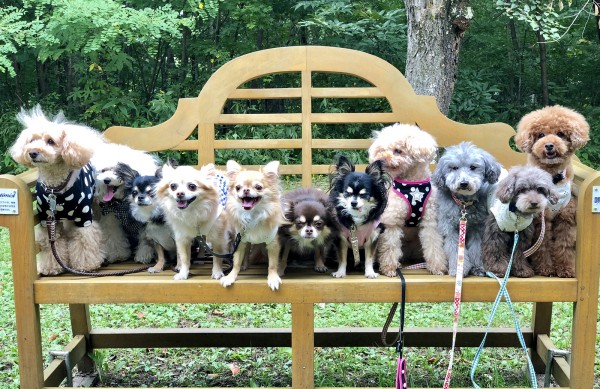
(373, 367)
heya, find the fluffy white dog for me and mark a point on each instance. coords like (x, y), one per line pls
(62, 151)
(410, 217)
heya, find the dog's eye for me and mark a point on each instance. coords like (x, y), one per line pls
(561, 134)
(540, 135)
(318, 224)
(192, 187)
(258, 187)
(173, 187)
(134, 193)
(50, 142)
(397, 151)
(541, 190)
(238, 187)
(473, 167)
(453, 167)
(299, 225)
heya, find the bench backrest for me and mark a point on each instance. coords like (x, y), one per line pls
(380, 80)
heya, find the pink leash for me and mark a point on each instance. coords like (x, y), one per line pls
(462, 234)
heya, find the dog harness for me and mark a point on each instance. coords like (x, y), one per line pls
(122, 212)
(564, 196)
(74, 204)
(223, 187)
(363, 232)
(416, 194)
(507, 220)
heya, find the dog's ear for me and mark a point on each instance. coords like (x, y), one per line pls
(339, 170)
(233, 168)
(209, 170)
(492, 168)
(126, 173)
(75, 152)
(271, 171)
(344, 166)
(17, 150)
(579, 131)
(439, 175)
(379, 175)
(551, 194)
(167, 170)
(506, 188)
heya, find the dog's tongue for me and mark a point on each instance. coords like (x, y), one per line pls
(182, 204)
(248, 202)
(110, 192)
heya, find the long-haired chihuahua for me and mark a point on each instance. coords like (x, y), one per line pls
(359, 199)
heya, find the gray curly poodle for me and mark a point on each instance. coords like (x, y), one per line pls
(465, 175)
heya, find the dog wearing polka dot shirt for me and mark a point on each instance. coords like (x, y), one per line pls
(62, 152)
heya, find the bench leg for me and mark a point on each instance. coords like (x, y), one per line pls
(303, 342)
(584, 341)
(541, 322)
(81, 325)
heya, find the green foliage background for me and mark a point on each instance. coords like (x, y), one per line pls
(126, 62)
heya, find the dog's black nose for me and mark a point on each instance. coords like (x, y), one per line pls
(33, 154)
(180, 194)
(246, 192)
(464, 185)
(141, 197)
(353, 203)
(107, 181)
(533, 205)
(308, 231)
(549, 146)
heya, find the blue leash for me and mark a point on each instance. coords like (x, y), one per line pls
(504, 293)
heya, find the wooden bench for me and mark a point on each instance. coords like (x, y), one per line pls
(376, 79)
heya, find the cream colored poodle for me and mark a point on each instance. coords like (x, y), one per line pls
(62, 151)
(410, 216)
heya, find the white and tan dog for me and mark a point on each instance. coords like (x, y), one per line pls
(193, 203)
(255, 212)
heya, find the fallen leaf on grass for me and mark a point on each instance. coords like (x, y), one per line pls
(52, 337)
(235, 369)
(140, 314)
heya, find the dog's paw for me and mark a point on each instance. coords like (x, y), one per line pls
(371, 274)
(390, 273)
(217, 275)
(321, 269)
(274, 281)
(227, 281)
(181, 276)
(525, 273)
(155, 269)
(339, 274)
(566, 273)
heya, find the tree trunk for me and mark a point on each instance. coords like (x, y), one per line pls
(543, 69)
(435, 33)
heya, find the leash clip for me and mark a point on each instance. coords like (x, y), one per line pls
(463, 213)
(52, 202)
(354, 243)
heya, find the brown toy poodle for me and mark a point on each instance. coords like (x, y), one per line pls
(550, 136)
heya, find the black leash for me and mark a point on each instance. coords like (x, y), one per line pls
(399, 340)
(401, 375)
(229, 256)
(51, 227)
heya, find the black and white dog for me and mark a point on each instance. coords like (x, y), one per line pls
(140, 193)
(359, 200)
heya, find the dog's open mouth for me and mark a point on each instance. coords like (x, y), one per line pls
(110, 193)
(551, 154)
(249, 202)
(183, 204)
